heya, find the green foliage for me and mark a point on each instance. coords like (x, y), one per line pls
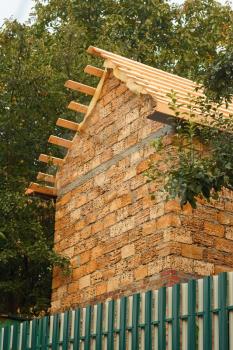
(199, 162)
(219, 78)
(36, 59)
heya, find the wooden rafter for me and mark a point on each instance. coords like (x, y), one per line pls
(55, 140)
(46, 177)
(85, 89)
(94, 71)
(49, 159)
(67, 124)
(45, 190)
(77, 107)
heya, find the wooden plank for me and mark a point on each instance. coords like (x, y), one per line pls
(67, 124)
(77, 107)
(45, 177)
(129, 62)
(55, 140)
(97, 72)
(47, 190)
(49, 159)
(85, 89)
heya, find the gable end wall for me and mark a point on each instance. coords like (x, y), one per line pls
(118, 240)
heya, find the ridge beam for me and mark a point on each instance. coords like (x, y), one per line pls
(77, 107)
(55, 140)
(67, 124)
(97, 72)
(85, 89)
(46, 190)
(45, 177)
(51, 160)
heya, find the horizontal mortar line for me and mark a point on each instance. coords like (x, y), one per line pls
(115, 159)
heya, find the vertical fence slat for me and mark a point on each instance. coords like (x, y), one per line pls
(161, 319)
(99, 327)
(135, 319)
(122, 323)
(24, 335)
(67, 317)
(34, 335)
(184, 300)
(45, 325)
(191, 315)
(169, 317)
(148, 310)
(230, 304)
(15, 336)
(110, 341)
(87, 328)
(6, 338)
(200, 308)
(215, 314)
(223, 314)
(207, 324)
(55, 336)
(176, 317)
(76, 342)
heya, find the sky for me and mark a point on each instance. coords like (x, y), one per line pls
(20, 9)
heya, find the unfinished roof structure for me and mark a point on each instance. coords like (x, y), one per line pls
(141, 80)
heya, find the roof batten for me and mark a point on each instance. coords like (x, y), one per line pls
(67, 124)
(77, 107)
(73, 85)
(60, 141)
(50, 159)
(94, 71)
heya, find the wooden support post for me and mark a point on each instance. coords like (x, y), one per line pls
(46, 190)
(77, 107)
(94, 71)
(67, 124)
(85, 89)
(49, 159)
(45, 177)
(55, 140)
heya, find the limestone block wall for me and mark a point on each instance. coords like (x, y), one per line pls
(118, 239)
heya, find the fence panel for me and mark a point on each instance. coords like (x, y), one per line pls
(197, 315)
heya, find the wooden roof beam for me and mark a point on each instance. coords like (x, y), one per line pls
(55, 140)
(46, 177)
(77, 107)
(45, 190)
(67, 124)
(49, 159)
(85, 89)
(97, 72)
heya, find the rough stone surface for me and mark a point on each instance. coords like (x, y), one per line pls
(118, 239)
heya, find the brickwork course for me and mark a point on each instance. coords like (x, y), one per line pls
(118, 239)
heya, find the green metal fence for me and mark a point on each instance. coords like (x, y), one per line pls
(187, 316)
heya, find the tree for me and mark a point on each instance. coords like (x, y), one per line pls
(36, 59)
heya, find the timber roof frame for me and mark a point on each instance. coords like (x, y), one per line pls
(140, 79)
